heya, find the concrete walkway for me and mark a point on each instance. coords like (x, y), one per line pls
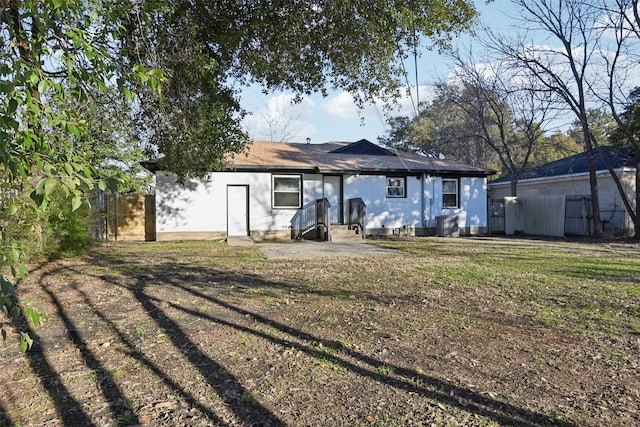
(297, 249)
(239, 241)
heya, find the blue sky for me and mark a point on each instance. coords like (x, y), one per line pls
(336, 117)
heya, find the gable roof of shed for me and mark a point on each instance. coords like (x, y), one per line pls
(578, 164)
(343, 157)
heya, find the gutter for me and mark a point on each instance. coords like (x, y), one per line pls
(556, 177)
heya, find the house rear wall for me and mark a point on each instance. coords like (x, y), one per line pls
(197, 209)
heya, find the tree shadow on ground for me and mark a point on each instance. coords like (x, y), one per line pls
(182, 277)
(197, 282)
(70, 411)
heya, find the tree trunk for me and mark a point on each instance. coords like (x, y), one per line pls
(636, 223)
(593, 184)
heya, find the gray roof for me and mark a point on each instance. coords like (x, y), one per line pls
(578, 164)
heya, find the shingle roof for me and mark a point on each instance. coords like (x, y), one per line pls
(344, 157)
(578, 164)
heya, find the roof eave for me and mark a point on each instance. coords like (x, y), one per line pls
(563, 176)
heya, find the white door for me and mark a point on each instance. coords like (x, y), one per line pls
(332, 190)
(237, 210)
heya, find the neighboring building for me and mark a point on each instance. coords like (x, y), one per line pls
(570, 177)
(262, 192)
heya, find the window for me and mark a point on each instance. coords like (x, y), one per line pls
(396, 187)
(287, 191)
(450, 193)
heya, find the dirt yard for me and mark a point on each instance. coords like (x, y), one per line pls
(447, 332)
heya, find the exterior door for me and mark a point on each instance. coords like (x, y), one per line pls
(238, 210)
(332, 191)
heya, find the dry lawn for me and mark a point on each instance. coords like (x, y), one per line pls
(471, 331)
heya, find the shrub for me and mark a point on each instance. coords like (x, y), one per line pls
(66, 232)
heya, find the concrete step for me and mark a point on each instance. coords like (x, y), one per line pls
(342, 234)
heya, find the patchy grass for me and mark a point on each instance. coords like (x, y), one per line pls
(478, 331)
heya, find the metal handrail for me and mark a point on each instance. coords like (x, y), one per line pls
(311, 216)
(358, 215)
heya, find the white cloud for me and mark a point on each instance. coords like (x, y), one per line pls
(344, 106)
(280, 119)
(341, 105)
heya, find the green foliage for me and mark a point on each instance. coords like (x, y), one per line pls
(627, 133)
(555, 147)
(207, 50)
(601, 124)
(479, 127)
(443, 128)
(66, 228)
(70, 71)
(51, 53)
(110, 143)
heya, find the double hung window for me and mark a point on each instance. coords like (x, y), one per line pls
(450, 193)
(286, 191)
(396, 187)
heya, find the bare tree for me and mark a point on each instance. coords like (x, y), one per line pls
(621, 55)
(279, 120)
(508, 115)
(573, 26)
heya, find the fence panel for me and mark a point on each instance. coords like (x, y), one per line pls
(496, 216)
(131, 217)
(544, 216)
(577, 220)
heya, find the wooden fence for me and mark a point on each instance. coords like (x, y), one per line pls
(128, 217)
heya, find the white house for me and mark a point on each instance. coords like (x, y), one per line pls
(266, 192)
(569, 178)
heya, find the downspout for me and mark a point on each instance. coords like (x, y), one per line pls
(116, 216)
(424, 204)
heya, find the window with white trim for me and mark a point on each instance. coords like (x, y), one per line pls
(286, 191)
(396, 186)
(450, 193)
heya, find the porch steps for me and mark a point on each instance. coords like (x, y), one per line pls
(342, 234)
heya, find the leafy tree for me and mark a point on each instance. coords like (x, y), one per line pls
(110, 142)
(555, 147)
(208, 49)
(442, 129)
(630, 118)
(601, 124)
(185, 59)
(51, 50)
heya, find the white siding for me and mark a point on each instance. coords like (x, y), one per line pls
(383, 212)
(472, 212)
(200, 206)
(312, 187)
